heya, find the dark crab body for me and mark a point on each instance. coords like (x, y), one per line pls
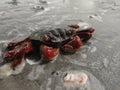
(54, 38)
(48, 44)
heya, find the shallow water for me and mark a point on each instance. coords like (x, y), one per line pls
(99, 57)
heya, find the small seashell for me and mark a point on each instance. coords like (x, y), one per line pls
(77, 78)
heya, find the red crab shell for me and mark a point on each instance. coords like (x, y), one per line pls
(48, 44)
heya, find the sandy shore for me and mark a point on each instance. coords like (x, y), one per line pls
(99, 58)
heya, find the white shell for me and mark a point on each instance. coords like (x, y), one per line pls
(77, 78)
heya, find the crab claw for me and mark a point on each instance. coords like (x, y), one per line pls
(85, 34)
(48, 53)
(72, 46)
(16, 55)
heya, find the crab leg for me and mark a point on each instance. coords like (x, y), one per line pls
(75, 26)
(48, 53)
(72, 46)
(85, 34)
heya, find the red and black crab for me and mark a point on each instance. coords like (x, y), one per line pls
(47, 44)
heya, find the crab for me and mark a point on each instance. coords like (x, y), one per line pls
(47, 44)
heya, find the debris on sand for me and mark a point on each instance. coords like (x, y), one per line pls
(2, 13)
(43, 2)
(96, 17)
(38, 7)
(13, 2)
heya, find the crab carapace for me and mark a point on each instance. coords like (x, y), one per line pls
(48, 44)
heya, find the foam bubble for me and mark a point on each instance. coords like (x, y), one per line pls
(5, 71)
(105, 62)
(31, 62)
(83, 25)
(36, 71)
(83, 55)
(4, 41)
(13, 32)
(93, 49)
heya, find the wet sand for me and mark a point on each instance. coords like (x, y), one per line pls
(99, 57)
